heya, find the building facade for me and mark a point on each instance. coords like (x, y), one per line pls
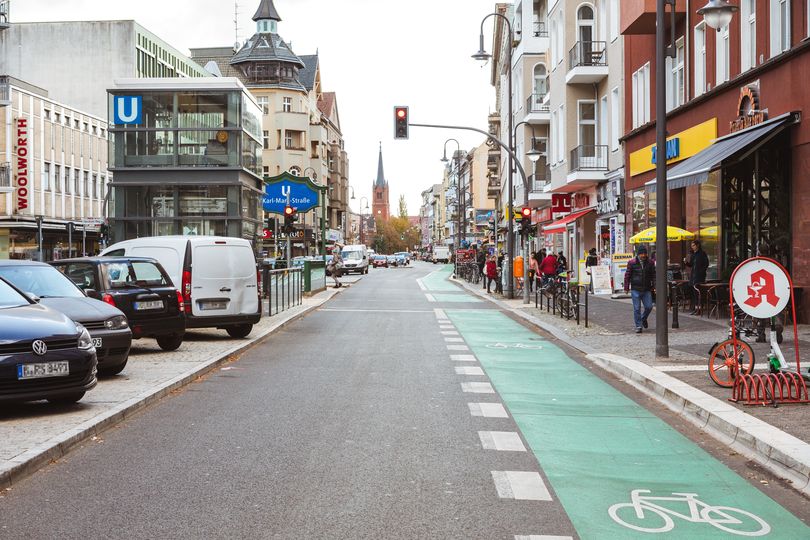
(53, 175)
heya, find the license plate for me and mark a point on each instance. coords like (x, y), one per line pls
(41, 371)
(97, 342)
(143, 306)
(213, 305)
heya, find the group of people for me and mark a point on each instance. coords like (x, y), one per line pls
(545, 266)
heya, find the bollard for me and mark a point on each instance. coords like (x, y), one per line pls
(586, 308)
(674, 296)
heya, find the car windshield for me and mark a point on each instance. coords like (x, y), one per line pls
(43, 281)
(123, 274)
(10, 298)
(353, 255)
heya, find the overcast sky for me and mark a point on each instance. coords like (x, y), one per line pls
(374, 53)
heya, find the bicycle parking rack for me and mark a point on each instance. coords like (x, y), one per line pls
(761, 285)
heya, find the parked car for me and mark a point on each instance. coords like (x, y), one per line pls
(380, 260)
(392, 260)
(138, 286)
(406, 256)
(108, 326)
(402, 259)
(43, 354)
(218, 277)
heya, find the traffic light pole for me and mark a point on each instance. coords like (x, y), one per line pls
(289, 238)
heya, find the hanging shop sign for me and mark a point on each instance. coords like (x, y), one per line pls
(761, 287)
(21, 164)
(560, 203)
(749, 111)
(608, 201)
(581, 201)
(686, 144)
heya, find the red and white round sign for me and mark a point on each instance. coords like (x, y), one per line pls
(761, 288)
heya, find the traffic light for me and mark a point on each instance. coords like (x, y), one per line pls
(400, 122)
(290, 217)
(525, 218)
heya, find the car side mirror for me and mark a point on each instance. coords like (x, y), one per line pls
(33, 297)
(92, 293)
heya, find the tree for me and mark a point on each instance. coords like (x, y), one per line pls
(403, 207)
(395, 235)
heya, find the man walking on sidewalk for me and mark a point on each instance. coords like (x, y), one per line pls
(639, 279)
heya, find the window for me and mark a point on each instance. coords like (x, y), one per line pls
(585, 24)
(675, 84)
(288, 139)
(47, 114)
(266, 140)
(780, 26)
(56, 117)
(379, 195)
(614, 19)
(76, 180)
(641, 96)
(67, 180)
(748, 22)
(586, 124)
(86, 185)
(723, 56)
(266, 171)
(554, 137)
(57, 179)
(46, 177)
(264, 103)
(700, 59)
(540, 80)
(615, 132)
(603, 121)
(287, 104)
(96, 192)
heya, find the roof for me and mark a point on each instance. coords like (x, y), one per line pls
(266, 11)
(381, 182)
(309, 72)
(219, 55)
(327, 103)
(264, 47)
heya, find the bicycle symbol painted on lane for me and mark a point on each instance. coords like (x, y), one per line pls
(649, 517)
(514, 346)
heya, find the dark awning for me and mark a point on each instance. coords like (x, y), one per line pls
(696, 169)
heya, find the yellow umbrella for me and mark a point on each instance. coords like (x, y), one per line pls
(674, 234)
(710, 233)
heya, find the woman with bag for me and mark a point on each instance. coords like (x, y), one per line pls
(335, 265)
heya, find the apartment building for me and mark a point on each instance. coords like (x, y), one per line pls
(738, 146)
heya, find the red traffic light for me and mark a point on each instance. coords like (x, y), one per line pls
(401, 114)
(289, 210)
(526, 212)
(401, 122)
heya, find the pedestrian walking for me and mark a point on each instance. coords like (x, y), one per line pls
(534, 268)
(492, 272)
(481, 260)
(335, 266)
(548, 268)
(639, 280)
(590, 261)
(562, 263)
(699, 263)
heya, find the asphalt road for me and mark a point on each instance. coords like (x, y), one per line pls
(350, 423)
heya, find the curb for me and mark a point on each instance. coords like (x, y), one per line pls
(779, 452)
(29, 462)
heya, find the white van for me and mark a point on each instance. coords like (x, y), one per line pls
(441, 254)
(218, 277)
(355, 259)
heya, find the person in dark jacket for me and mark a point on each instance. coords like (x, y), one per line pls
(699, 263)
(481, 261)
(639, 280)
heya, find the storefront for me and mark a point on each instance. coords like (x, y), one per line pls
(610, 218)
(572, 231)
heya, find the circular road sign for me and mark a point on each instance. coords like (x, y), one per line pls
(761, 287)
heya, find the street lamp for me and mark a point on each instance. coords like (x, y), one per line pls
(362, 219)
(717, 14)
(484, 56)
(534, 156)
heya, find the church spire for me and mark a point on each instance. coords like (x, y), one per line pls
(381, 182)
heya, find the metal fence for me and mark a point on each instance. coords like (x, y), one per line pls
(589, 157)
(588, 53)
(569, 302)
(283, 289)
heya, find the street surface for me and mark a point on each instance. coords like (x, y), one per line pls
(403, 408)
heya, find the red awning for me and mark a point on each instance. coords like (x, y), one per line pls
(560, 225)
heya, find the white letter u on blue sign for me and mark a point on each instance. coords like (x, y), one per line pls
(128, 109)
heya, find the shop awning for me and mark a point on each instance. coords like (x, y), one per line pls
(560, 225)
(696, 169)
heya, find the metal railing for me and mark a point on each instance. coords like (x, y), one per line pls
(534, 104)
(5, 175)
(589, 157)
(540, 180)
(283, 289)
(570, 302)
(540, 29)
(588, 53)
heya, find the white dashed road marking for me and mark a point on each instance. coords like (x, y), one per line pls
(463, 358)
(542, 537)
(505, 441)
(469, 370)
(457, 348)
(454, 340)
(421, 285)
(520, 485)
(477, 388)
(441, 315)
(488, 410)
(449, 333)
(430, 298)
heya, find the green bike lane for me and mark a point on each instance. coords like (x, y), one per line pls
(597, 447)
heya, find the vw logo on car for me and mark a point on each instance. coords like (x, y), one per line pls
(40, 347)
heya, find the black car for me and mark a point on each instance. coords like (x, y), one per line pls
(107, 325)
(43, 354)
(138, 286)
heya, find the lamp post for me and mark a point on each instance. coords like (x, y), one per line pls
(717, 14)
(362, 220)
(458, 190)
(484, 56)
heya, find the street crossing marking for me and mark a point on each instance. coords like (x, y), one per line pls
(504, 441)
(421, 285)
(488, 410)
(454, 340)
(469, 370)
(520, 485)
(542, 537)
(430, 297)
(441, 316)
(477, 388)
(457, 348)
(346, 310)
(450, 333)
(463, 358)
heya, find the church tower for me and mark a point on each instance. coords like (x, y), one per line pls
(379, 205)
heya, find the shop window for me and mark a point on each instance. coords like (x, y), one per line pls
(709, 221)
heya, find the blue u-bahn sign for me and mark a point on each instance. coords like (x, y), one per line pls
(303, 193)
(128, 110)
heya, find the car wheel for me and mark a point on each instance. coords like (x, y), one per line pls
(67, 399)
(109, 371)
(241, 331)
(170, 343)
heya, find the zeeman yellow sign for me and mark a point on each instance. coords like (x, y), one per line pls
(690, 142)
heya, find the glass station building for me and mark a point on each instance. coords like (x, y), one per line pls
(186, 158)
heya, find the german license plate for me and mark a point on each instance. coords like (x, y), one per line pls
(143, 306)
(97, 342)
(43, 370)
(213, 305)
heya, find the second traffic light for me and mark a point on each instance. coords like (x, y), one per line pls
(400, 122)
(290, 217)
(525, 218)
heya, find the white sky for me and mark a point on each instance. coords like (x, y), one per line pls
(374, 53)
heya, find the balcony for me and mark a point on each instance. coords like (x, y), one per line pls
(537, 109)
(638, 16)
(589, 163)
(5, 178)
(587, 62)
(540, 179)
(540, 29)
(493, 188)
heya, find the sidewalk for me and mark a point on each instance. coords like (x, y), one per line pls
(33, 434)
(777, 438)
